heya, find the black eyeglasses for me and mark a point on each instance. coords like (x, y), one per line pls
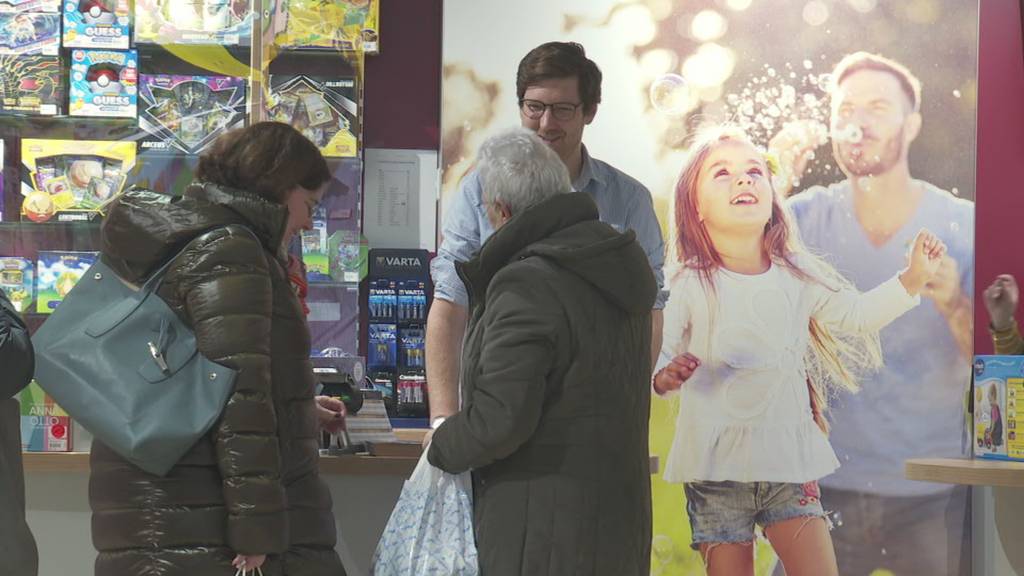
(534, 109)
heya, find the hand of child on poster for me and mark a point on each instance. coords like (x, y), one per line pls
(925, 258)
(944, 287)
(1001, 300)
(678, 371)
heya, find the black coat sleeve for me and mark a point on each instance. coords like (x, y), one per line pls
(17, 359)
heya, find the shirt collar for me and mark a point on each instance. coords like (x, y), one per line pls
(589, 172)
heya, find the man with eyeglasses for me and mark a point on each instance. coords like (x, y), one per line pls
(559, 90)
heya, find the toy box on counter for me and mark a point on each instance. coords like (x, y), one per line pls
(16, 280)
(45, 426)
(58, 272)
(998, 386)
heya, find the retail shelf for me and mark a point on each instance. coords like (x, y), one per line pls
(974, 472)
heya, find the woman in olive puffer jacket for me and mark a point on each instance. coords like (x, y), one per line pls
(249, 490)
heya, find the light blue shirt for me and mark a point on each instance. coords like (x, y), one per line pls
(912, 407)
(622, 202)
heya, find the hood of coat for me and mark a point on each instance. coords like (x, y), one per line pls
(565, 230)
(144, 229)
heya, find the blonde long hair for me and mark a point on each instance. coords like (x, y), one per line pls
(833, 360)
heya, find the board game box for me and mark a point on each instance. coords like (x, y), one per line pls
(57, 272)
(187, 113)
(29, 33)
(97, 24)
(72, 179)
(16, 280)
(18, 6)
(325, 110)
(334, 24)
(45, 426)
(998, 386)
(31, 85)
(104, 83)
(223, 22)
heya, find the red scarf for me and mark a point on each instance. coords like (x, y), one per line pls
(297, 276)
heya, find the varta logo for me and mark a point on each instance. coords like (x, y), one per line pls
(398, 260)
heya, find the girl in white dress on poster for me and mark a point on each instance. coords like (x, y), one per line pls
(757, 333)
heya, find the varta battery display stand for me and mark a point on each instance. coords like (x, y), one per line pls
(398, 295)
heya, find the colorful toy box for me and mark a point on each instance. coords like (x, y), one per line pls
(187, 113)
(45, 426)
(104, 83)
(58, 272)
(97, 24)
(16, 281)
(325, 110)
(998, 386)
(332, 24)
(72, 180)
(31, 85)
(223, 22)
(29, 33)
(19, 6)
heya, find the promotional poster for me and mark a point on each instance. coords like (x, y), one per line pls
(860, 117)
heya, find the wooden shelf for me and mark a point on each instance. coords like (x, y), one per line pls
(974, 472)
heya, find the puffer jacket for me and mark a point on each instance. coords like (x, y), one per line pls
(251, 485)
(18, 553)
(556, 396)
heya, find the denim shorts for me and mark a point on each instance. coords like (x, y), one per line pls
(726, 512)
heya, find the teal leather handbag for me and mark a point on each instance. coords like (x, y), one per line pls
(122, 364)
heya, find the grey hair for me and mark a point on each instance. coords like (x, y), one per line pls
(518, 170)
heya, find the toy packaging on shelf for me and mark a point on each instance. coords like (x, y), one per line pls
(45, 426)
(31, 85)
(57, 273)
(998, 385)
(2, 180)
(187, 113)
(72, 179)
(325, 110)
(334, 25)
(104, 83)
(219, 22)
(97, 24)
(19, 6)
(16, 281)
(29, 33)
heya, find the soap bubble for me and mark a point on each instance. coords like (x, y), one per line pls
(670, 95)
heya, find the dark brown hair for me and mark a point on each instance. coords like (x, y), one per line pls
(864, 61)
(267, 159)
(561, 60)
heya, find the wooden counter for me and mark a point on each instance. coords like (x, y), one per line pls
(970, 471)
(352, 465)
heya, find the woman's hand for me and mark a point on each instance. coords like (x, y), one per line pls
(330, 413)
(249, 563)
(678, 371)
(1001, 300)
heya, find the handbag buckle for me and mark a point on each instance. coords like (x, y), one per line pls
(158, 357)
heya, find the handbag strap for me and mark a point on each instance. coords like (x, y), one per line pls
(156, 279)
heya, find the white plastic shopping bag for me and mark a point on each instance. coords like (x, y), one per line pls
(430, 532)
